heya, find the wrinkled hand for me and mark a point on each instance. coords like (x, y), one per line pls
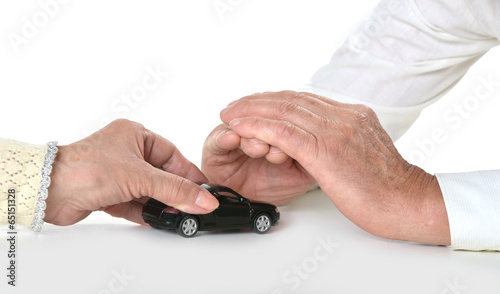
(114, 168)
(253, 168)
(352, 158)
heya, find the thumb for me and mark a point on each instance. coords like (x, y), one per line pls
(221, 140)
(178, 192)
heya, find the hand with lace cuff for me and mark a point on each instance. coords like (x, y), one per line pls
(116, 170)
(354, 161)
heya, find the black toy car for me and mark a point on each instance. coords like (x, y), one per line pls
(234, 212)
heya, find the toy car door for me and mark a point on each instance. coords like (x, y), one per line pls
(232, 212)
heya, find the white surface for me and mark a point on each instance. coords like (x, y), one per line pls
(84, 258)
(64, 82)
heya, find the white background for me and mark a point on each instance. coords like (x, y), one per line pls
(67, 78)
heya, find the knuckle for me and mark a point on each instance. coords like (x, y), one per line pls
(323, 123)
(139, 183)
(284, 109)
(287, 93)
(369, 111)
(123, 123)
(178, 191)
(297, 96)
(364, 112)
(306, 100)
(286, 131)
(360, 118)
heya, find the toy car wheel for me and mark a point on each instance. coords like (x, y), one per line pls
(262, 223)
(188, 226)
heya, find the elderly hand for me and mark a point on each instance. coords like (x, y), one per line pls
(253, 168)
(346, 150)
(115, 168)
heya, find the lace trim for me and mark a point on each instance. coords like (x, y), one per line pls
(37, 223)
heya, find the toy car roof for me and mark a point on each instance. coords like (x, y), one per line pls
(218, 188)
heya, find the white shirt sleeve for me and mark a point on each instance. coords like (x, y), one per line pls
(473, 204)
(406, 56)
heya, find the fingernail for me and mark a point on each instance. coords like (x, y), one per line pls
(234, 122)
(274, 149)
(225, 133)
(206, 201)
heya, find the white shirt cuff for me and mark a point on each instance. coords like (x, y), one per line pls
(473, 205)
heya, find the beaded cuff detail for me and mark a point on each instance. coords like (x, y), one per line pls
(37, 223)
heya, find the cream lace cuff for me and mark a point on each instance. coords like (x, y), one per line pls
(37, 223)
(25, 169)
